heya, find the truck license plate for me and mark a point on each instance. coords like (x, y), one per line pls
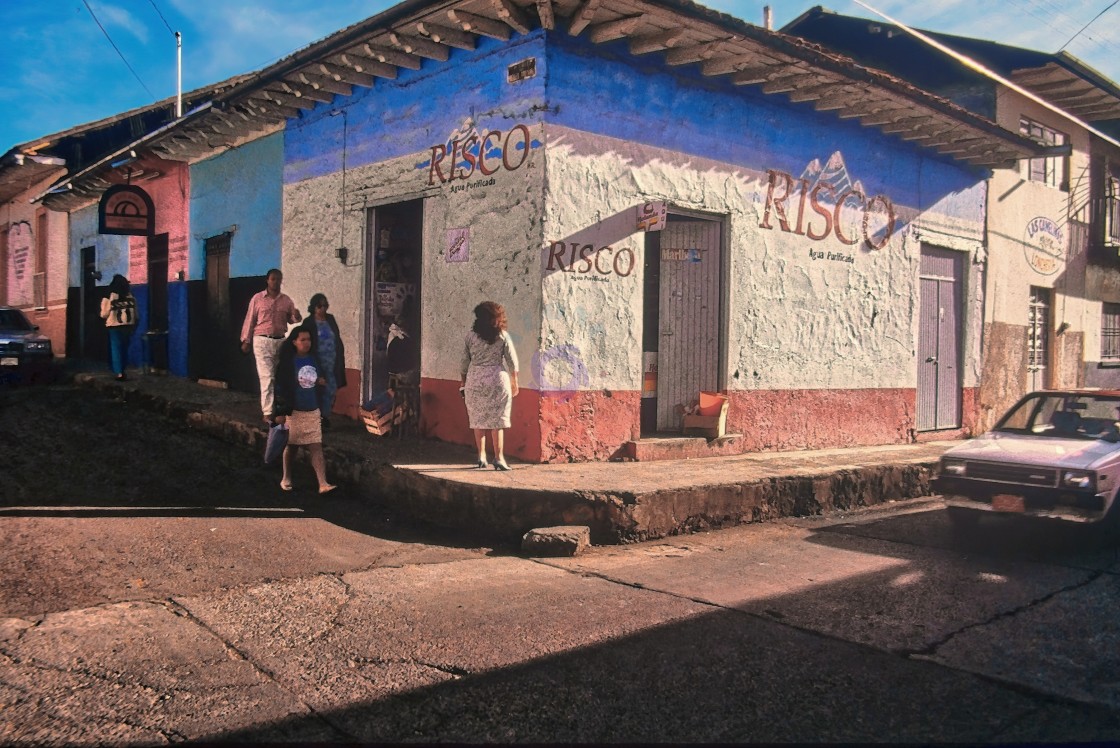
(1005, 502)
(9, 361)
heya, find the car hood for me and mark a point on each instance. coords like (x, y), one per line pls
(13, 336)
(1036, 450)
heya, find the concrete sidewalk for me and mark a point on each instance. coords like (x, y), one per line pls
(620, 501)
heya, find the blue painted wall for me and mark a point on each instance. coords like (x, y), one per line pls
(112, 251)
(603, 90)
(417, 110)
(239, 191)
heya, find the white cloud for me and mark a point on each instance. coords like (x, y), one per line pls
(115, 18)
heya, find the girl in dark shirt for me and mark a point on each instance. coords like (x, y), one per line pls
(298, 383)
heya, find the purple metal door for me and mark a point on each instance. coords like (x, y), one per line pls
(939, 349)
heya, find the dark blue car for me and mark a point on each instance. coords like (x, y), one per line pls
(25, 354)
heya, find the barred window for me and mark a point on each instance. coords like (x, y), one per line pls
(1110, 332)
(1111, 211)
(1052, 170)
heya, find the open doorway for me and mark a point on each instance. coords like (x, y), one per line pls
(394, 246)
(681, 330)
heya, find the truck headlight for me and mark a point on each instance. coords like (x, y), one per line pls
(950, 466)
(1080, 479)
(38, 346)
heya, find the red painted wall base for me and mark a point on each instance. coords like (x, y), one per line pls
(596, 426)
(444, 416)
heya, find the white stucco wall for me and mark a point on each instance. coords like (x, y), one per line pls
(794, 320)
(1022, 255)
(504, 223)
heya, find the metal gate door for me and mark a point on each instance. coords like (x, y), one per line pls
(939, 380)
(1038, 338)
(688, 317)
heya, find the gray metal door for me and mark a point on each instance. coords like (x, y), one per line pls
(1038, 338)
(939, 349)
(688, 317)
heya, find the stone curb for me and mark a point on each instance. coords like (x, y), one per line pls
(506, 513)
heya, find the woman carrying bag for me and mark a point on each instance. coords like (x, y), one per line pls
(119, 313)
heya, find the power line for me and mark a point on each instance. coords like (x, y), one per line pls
(106, 33)
(1088, 24)
(165, 23)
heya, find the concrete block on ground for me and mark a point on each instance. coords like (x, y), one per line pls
(563, 540)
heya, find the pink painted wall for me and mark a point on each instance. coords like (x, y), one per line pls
(170, 193)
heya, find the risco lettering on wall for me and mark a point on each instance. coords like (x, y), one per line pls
(590, 262)
(825, 204)
(470, 158)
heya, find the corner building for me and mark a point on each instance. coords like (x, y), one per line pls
(666, 200)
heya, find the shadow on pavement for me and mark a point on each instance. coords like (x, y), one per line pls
(716, 676)
(82, 452)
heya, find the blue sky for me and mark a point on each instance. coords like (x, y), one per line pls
(59, 70)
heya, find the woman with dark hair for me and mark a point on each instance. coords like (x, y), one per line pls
(327, 347)
(298, 382)
(119, 313)
(489, 376)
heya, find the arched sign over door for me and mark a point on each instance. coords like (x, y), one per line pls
(127, 210)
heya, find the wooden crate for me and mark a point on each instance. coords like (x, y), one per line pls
(378, 424)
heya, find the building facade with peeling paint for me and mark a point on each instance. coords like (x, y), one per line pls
(33, 250)
(79, 167)
(1052, 231)
(667, 201)
(804, 264)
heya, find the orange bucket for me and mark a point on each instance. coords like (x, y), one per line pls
(712, 403)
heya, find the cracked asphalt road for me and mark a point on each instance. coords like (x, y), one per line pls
(166, 618)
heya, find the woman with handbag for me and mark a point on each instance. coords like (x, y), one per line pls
(119, 313)
(489, 379)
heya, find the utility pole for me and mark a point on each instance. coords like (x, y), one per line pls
(178, 75)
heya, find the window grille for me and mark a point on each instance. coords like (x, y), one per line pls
(1038, 336)
(1051, 170)
(1111, 212)
(1110, 332)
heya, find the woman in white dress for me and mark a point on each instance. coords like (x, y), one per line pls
(489, 376)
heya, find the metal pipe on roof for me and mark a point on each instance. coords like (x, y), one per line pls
(178, 75)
